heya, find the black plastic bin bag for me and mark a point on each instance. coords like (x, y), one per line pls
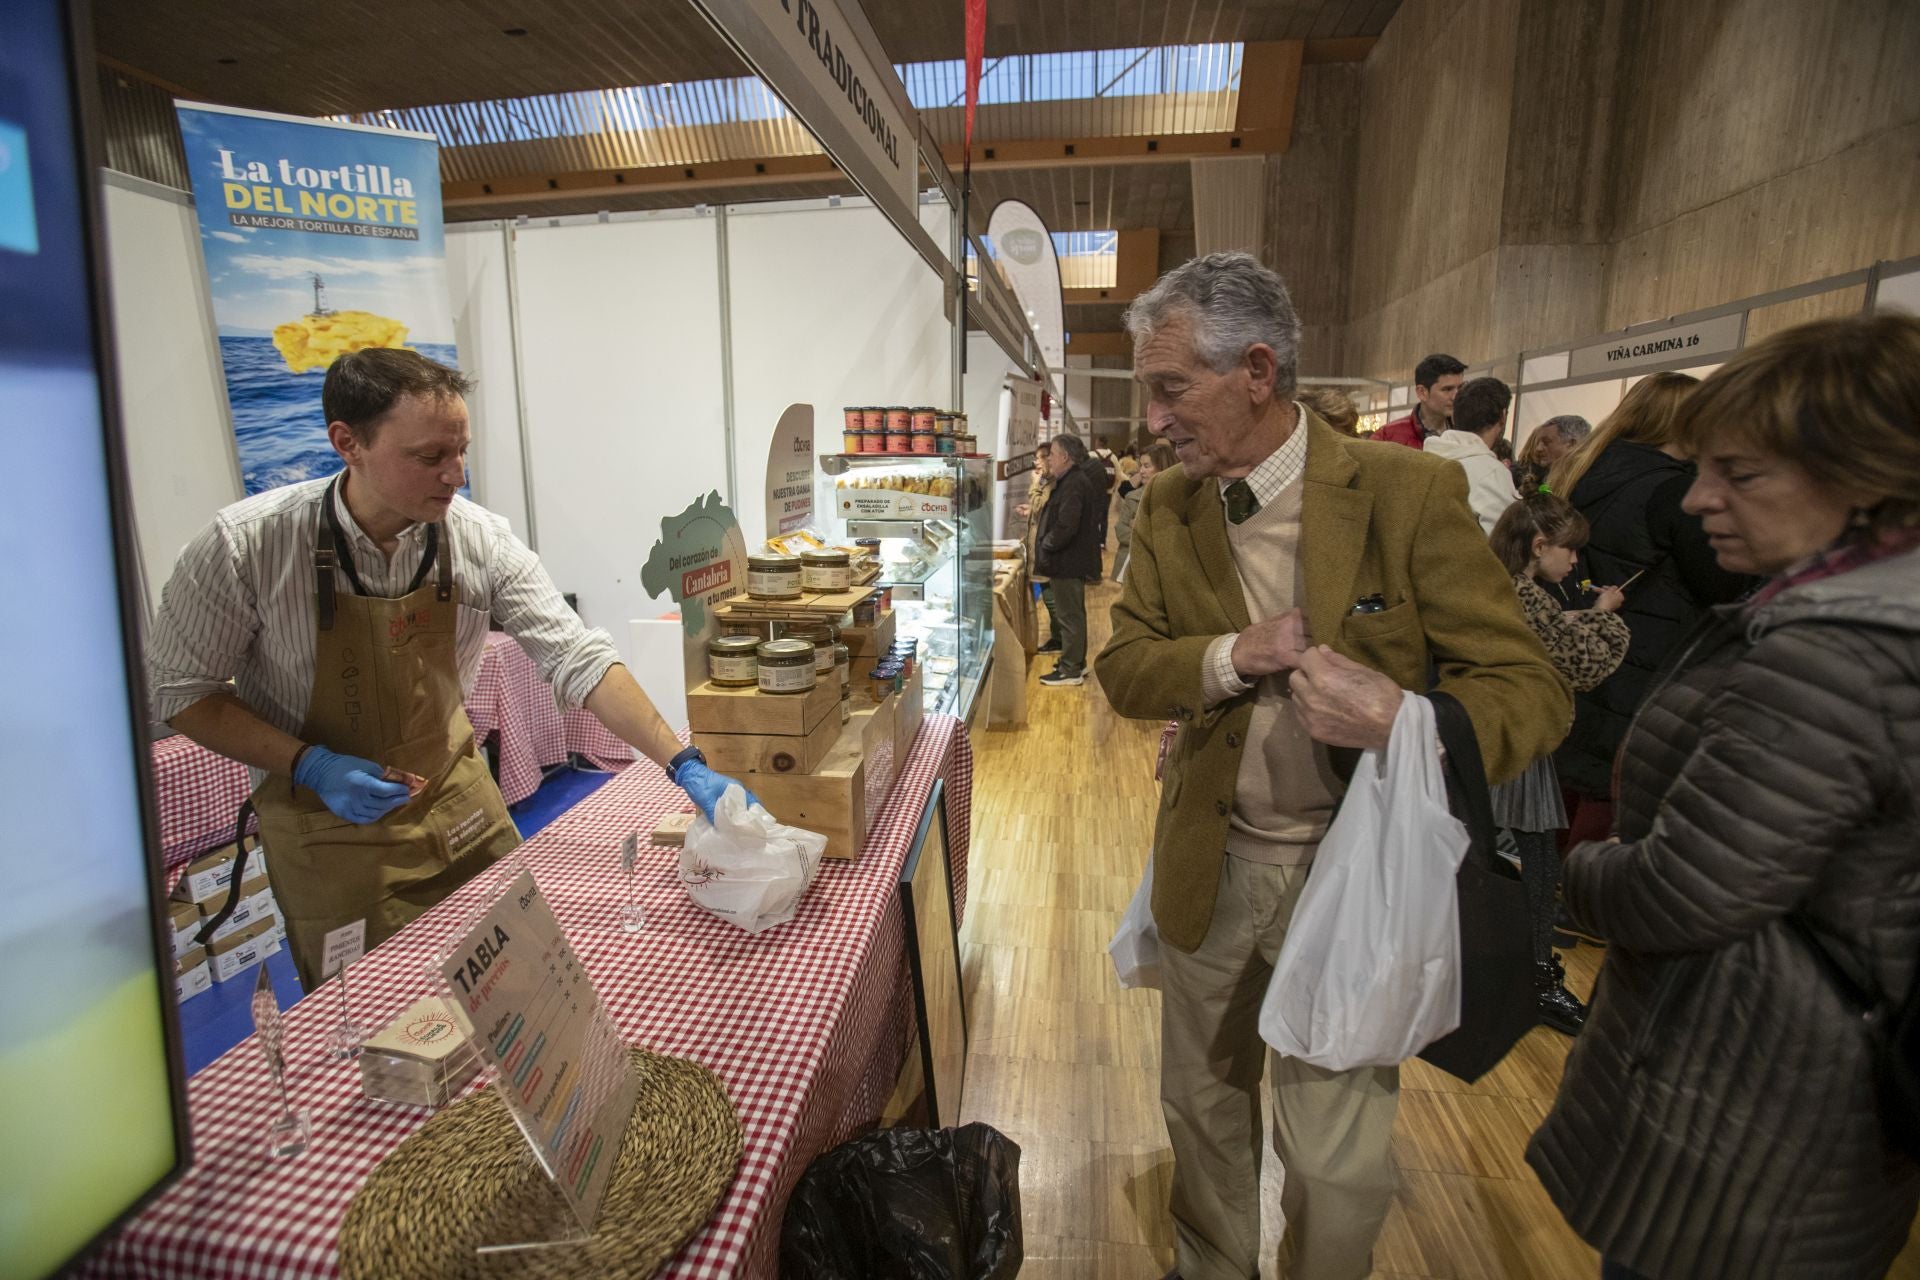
(908, 1204)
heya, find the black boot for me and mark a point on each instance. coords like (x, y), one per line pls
(1559, 1007)
(1051, 646)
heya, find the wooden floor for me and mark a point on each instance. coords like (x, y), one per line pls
(1067, 1064)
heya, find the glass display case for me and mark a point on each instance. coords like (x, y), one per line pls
(927, 517)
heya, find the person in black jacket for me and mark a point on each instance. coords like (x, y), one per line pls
(1628, 481)
(1073, 529)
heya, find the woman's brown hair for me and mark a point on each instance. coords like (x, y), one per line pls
(1840, 399)
(1334, 406)
(1649, 414)
(1536, 515)
(1162, 456)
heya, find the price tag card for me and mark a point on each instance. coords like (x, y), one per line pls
(556, 1057)
(342, 947)
(630, 852)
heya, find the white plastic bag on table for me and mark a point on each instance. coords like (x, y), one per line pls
(1369, 973)
(1135, 948)
(745, 867)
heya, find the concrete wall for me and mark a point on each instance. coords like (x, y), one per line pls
(1532, 172)
(1310, 197)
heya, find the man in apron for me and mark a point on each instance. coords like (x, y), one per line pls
(323, 633)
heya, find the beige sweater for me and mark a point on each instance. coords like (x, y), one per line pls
(1286, 791)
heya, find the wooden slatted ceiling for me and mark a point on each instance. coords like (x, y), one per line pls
(926, 30)
(370, 54)
(1094, 198)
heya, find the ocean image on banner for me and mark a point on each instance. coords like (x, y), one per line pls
(320, 239)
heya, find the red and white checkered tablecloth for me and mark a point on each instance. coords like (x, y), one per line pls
(199, 795)
(806, 1025)
(509, 698)
(200, 792)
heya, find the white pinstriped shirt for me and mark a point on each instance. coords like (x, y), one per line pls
(1219, 681)
(240, 605)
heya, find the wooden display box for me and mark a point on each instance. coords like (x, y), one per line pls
(839, 798)
(736, 753)
(909, 710)
(868, 642)
(712, 709)
(817, 606)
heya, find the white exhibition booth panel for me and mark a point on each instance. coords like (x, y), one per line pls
(477, 267)
(181, 463)
(620, 363)
(830, 307)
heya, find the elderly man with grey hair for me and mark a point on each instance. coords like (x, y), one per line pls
(1287, 584)
(1560, 436)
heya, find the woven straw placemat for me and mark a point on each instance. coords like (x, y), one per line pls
(467, 1173)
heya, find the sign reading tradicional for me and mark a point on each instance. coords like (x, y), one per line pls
(1700, 343)
(809, 52)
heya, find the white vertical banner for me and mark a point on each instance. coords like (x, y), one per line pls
(790, 471)
(1023, 248)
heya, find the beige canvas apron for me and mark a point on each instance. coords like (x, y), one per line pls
(386, 686)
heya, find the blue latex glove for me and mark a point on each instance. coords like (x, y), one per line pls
(348, 785)
(705, 787)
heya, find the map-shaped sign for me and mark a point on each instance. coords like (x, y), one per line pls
(700, 560)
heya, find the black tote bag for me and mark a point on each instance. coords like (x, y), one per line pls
(1497, 1003)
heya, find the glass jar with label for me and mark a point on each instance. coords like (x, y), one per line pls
(773, 577)
(733, 661)
(826, 570)
(843, 667)
(786, 666)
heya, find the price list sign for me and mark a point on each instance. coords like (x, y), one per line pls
(557, 1060)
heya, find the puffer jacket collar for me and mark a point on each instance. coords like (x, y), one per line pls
(1885, 593)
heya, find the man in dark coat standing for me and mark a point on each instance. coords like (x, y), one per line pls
(1072, 530)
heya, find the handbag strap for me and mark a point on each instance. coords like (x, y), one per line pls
(1467, 792)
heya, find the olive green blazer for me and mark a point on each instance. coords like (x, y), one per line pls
(1375, 518)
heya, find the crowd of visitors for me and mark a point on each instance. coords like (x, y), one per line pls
(1687, 641)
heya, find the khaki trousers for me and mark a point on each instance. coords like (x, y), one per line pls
(1331, 1131)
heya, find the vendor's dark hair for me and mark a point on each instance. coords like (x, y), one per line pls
(363, 386)
(1435, 367)
(1541, 514)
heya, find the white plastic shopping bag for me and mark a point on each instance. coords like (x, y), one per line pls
(1136, 943)
(745, 867)
(1369, 973)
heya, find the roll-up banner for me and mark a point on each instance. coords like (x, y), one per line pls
(1024, 250)
(320, 238)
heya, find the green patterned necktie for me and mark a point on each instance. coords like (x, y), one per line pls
(1241, 503)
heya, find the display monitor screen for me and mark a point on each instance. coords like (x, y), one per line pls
(90, 1119)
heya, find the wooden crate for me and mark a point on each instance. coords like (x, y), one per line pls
(810, 606)
(869, 642)
(909, 710)
(832, 800)
(736, 753)
(712, 709)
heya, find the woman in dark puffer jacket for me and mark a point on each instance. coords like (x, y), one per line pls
(1628, 480)
(1718, 1118)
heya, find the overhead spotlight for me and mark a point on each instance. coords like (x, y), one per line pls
(514, 31)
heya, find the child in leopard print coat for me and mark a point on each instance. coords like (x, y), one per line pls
(1537, 538)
